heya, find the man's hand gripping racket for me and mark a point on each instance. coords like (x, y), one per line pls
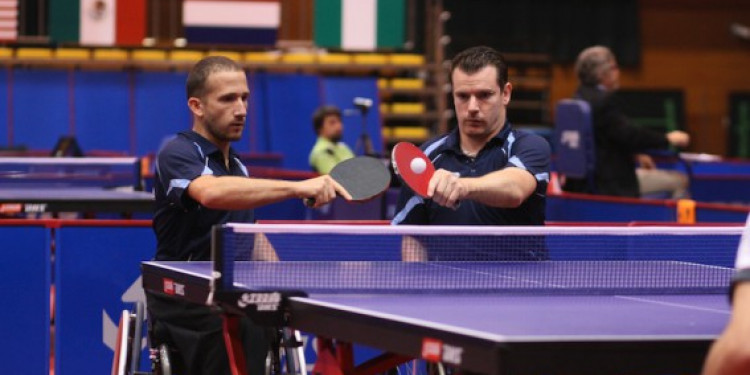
(363, 177)
(416, 170)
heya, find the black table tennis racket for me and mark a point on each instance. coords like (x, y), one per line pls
(363, 177)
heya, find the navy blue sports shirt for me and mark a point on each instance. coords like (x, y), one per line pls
(509, 148)
(182, 226)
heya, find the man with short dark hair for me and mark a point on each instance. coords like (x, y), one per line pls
(487, 172)
(498, 174)
(329, 150)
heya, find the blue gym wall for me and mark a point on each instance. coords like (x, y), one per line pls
(101, 104)
(160, 107)
(25, 286)
(41, 107)
(130, 112)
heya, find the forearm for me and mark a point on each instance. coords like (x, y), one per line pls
(412, 250)
(231, 193)
(506, 188)
(619, 129)
(730, 354)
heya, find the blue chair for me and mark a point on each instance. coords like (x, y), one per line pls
(574, 143)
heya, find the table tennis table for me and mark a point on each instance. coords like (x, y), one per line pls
(91, 185)
(39, 200)
(491, 330)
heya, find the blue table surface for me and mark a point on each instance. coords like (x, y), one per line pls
(550, 316)
(524, 316)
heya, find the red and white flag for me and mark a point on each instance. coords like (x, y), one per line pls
(247, 22)
(112, 22)
(8, 20)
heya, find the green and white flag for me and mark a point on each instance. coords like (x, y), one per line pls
(360, 25)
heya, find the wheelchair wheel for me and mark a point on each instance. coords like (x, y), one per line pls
(127, 356)
(135, 343)
(121, 362)
(164, 365)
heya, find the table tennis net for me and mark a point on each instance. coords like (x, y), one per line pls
(408, 259)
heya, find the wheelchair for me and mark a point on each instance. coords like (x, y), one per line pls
(127, 357)
(286, 355)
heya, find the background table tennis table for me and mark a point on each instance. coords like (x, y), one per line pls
(74, 200)
(538, 331)
(91, 185)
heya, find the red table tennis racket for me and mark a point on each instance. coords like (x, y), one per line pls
(413, 166)
(364, 177)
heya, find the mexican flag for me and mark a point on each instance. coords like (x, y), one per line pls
(360, 25)
(97, 22)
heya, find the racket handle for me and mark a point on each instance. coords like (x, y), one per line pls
(309, 202)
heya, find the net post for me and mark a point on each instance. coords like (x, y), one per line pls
(223, 270)
(263, 306)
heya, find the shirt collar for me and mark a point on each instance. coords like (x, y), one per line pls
(206, 145)
(453, 142)
(327, 141)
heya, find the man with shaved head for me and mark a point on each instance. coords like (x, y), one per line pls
(200, 182)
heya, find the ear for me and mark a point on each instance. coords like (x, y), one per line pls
(195, 106)
(507, 90)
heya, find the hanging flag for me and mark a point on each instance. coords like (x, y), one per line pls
(97, 22)
(218, 22)
(64, 21)
(131, 22)
(360, 25)
(8, 20)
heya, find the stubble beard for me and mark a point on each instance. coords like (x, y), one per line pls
(222, 136)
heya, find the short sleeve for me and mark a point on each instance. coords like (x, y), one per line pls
(532, 153)
(743, 252)
(176, 168)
